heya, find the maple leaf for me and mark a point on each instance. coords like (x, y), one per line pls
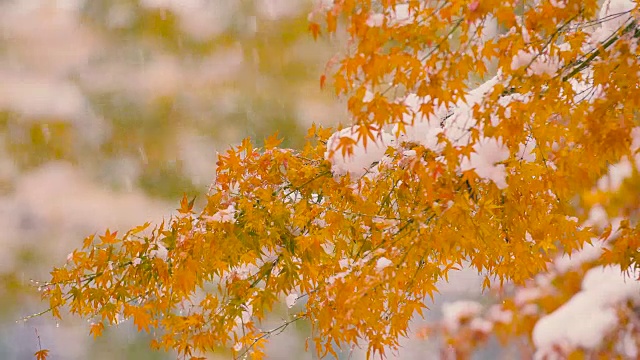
(272, 141)
(87, 241)
(186, 205)
(109, 237)
(314, 28)
(41, 354)
(508, 177)
(96, 329)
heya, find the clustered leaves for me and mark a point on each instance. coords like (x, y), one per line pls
(363, 251)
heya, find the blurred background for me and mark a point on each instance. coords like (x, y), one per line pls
(110, 110)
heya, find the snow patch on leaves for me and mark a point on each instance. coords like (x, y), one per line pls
(245, 316)
(160, 252)
(362, 156)
(586, 319)
(382, 263)
(458, 312)
(422, 129)
(224, 216)
(615, 13)
(536, 63)
(527, 151)
(488, 152)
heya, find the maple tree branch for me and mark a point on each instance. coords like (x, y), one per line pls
(445, 38)
(28, 317)
(297, 188)
(603, 19)
(265, 273)
(83, 278)
(267, 333)
(583, 64)
(40, 354)
(38, 336)
(553, 36)
(353, 213)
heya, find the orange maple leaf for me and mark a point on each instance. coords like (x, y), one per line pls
(41, 354)
(96, 329)
(272, 141)
(186, 205)
(109, 237)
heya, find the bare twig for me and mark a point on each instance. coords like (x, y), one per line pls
(267, 333)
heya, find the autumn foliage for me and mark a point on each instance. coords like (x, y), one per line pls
(498, 135)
